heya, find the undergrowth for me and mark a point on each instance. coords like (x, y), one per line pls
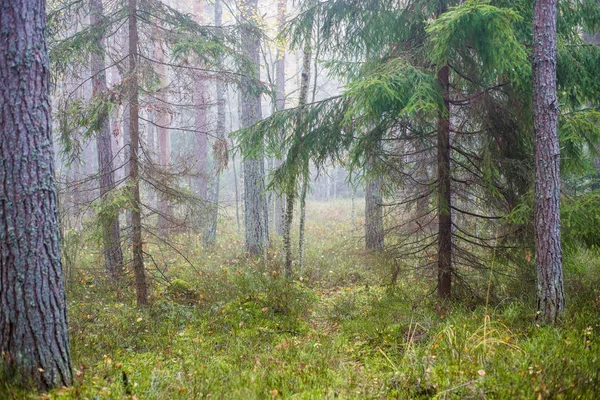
(231, 327)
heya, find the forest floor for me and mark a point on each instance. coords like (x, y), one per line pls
(231, 328)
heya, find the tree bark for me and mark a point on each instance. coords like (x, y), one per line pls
(34, 339)
(253, 168)
(280, 206)
(444, 191)
(219, 149)
(134, 131)
(550, 296)
(302, 224)
(113, 255)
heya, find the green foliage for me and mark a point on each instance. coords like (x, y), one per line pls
(479, 37)
(79, 121)
(231, 328)
(579, 134)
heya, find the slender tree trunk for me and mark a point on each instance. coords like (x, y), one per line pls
(550, 296)
(280, 206)
(163, 121)
(302, 225)
(219, 149)
(291, 187)
(200, 124)
(287, 232)
(253, 168)
(136, 212)
(113, 255)
(444, 192)
(34, 339)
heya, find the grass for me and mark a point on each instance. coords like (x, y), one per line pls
(230, 327)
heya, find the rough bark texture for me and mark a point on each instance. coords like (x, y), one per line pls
(444, 192)
(280, 105)
(134, 131)
(253, 168)
(34, 340)
(219, 150)
(374, 232)
(550, 296)
(113, 255)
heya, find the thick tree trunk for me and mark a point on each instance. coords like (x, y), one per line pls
(550, 296)
(219, 150)
(34, 339)
(134, 131)
(113, 255)
(444, 191)
(253, 168)
(374, 232)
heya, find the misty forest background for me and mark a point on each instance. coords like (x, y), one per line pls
(324, 199)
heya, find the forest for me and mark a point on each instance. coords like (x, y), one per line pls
(299, 199)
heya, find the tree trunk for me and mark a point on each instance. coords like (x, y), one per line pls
(550, 296)
(136, 212)
(113, 255)
(219, 149)
(374, 232)
(163, 121)
(444, 192)
(200, 124)
(280, 206)
(302, 225)
(254, 196)
(34, 339)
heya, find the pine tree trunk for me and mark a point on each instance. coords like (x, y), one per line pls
(550, 296)
(34, 339)
(253, 168)
(136, 212)
(444, 192)
(113, 255)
